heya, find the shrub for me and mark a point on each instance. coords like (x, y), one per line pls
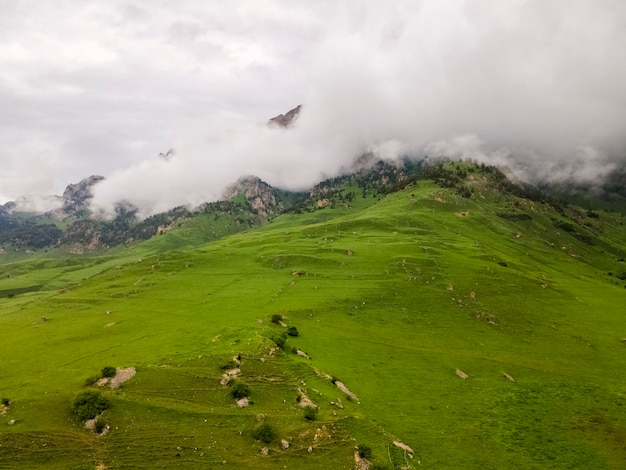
(99, 425)
(280, 340)
(6, 401)
(365, 452)
(239, 390)
(108, 371)
(277, 318)
(87, 405)
(292, 331)
(310, 413)
(230, 365)
(265, 433)
(89, 381)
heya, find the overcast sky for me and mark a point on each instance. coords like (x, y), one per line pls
(102, 87)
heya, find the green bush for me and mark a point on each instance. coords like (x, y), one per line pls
(232, 364)
(310, 413)
(265, 433)
(365, 452)
(277, 318)
(108, 371)
(6, 401)
(239, 390)
(280, 340)
(99, 425)
(87, 405)
(89, 381)
(292, 331)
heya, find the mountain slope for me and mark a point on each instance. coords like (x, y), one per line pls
(398, 296)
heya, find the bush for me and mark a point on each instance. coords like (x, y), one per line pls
(310, 413)
(239, 390)
(6, 401)
(277, 318)
(232, 364)
(99, 425)
(265, 433)
(89, 381)
(365, 452)
(280, 340)
(87, 405)
(108, 371)
(292, 331)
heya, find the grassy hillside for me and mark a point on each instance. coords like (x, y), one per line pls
(398, 297)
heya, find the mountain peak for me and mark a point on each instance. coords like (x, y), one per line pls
(76, 196)
(288, 119)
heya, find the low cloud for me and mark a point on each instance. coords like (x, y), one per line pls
(533, 85)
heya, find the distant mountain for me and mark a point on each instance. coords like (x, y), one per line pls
(288, 119)
(76, 197)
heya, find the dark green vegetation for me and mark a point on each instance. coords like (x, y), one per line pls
(88, 405)
(399, 290)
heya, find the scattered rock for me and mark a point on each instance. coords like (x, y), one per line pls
(623, 340)
(265, 451)
(360, 462)
(345, 390)
(243, 402)
(302, 353)
(305, 401)
(123, 375)
(283, 324)
(509, 377)
(450, 287)
(284, 444)
(404, 447)
(102, 382)
(12, 422)
(461, 374)
(262, 359)
(310, 449)
(349, 253)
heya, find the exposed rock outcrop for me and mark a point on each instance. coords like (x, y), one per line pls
(258, 194)
(76, 197)
(288, 119)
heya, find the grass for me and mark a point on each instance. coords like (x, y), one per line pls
(390, 296)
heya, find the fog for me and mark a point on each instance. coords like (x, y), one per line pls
(531, 85)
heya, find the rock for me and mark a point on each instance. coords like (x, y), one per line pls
(461, 374)
(243, 402)
(12, 422)
(76, 197)
(286, 120)
(265, 451)
(284, 444)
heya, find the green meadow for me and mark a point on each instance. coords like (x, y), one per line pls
(481, 332)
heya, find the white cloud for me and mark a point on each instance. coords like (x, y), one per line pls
(108, 85)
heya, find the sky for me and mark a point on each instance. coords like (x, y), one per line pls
(102, 87)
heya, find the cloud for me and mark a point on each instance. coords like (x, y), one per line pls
(536, 85)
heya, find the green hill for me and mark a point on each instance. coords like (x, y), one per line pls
(476, 324)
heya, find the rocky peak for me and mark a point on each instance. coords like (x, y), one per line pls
(286, 120)
(76, 197)
(258, 194)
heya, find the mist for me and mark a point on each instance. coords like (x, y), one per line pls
(531, 85)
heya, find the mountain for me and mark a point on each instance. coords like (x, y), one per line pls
(76, 197)
(423, 316)
(286, 120)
